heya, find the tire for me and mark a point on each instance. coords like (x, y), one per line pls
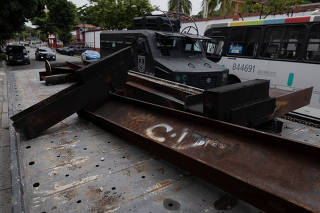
(232, 79)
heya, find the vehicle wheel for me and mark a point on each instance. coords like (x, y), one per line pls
(28, 62)
(232, 79)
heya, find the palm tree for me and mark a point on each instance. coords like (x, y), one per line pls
(226, 7)
(185, 6)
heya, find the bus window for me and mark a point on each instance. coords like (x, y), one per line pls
(313, 48)
(236, 42)
(251, 42)
(244, 41)
(291, 42)
(271, 42)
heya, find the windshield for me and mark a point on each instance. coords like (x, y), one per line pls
(92, 52)
(179, 46)
(45, 50)
(16, 50)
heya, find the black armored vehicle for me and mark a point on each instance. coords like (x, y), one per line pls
(162, 51)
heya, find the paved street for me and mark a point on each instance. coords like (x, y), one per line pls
(39, 64)
(5, 173)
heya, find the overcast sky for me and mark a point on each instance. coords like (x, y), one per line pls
(163, 4)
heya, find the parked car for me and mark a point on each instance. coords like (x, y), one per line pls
(90, 56)
(59, 50)
(67, 51)
(17, 54)
(45, 53)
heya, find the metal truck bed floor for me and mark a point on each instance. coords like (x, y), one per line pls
(78, 167)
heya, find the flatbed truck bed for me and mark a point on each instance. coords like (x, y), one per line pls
(76, 166)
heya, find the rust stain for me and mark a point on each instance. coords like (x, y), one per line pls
(69, 194)
(160, 185)
(142, 168)
(94, 192)
(137, 119)
(178, 188)
(161, 170)
(160, 199)
(154, 188)
(66, 155)
(55, 134)
(106, 203)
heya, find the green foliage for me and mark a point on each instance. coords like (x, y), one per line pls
(184, 7)
(2, 56)
(273, 6)
(112, 14)
(59, 20)
(13, 14)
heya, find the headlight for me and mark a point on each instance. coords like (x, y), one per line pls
(26, 56)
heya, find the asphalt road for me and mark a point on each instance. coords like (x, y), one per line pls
(40, 64)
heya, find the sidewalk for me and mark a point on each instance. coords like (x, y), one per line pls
(5, 175)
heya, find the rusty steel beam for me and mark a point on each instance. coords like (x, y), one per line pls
(94, 83)
(287, 101)
(183, 97)
(57, 73)
(273, 173)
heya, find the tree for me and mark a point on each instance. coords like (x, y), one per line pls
(59, 20)
(112, 14)
(251, 6)
(185, 6)
(273, 6)
(13, 15)
(226, 7)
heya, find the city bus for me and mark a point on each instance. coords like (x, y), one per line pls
(284, 51)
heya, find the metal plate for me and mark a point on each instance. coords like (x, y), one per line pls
(73, 183)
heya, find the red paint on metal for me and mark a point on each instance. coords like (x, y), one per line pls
(298, 19)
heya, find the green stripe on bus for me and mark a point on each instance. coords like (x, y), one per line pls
(258, 22)
(290, 79)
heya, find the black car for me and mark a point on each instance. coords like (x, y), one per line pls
(45, 53)
(17, 54)
(66, 51)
